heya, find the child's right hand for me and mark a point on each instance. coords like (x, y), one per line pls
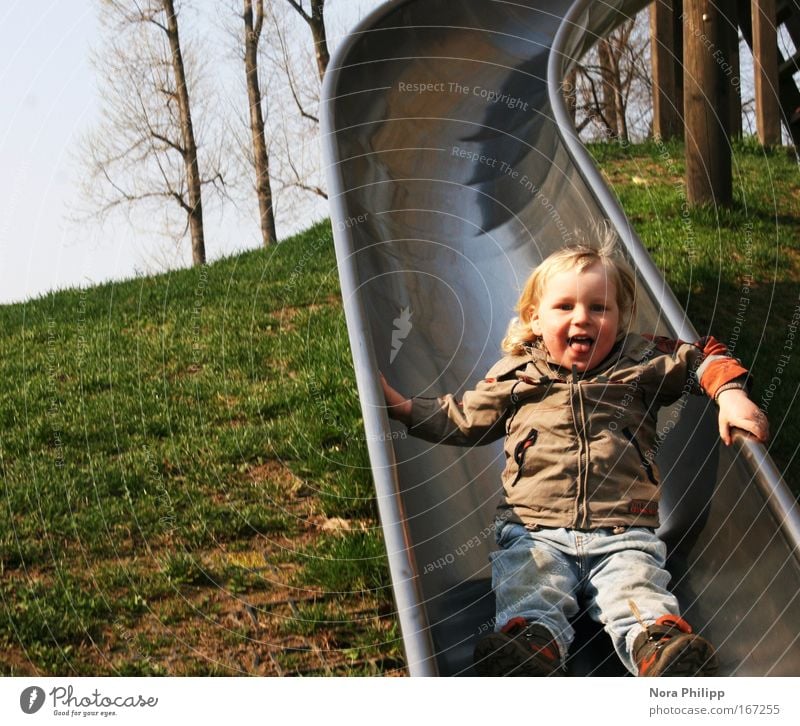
(399, 407)
(736, 409)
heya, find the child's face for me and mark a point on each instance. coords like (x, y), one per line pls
(578, 317)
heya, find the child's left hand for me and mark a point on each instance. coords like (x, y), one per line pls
(736, 409)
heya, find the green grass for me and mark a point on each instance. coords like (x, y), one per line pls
(170, 447)
(736, 271)
(345, 563)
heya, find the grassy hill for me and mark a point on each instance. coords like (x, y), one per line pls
(185, 483)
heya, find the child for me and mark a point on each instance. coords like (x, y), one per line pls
(576, 399)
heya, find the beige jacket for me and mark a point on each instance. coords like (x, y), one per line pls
(580, 449)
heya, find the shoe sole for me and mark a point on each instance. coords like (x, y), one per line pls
(496, 655)
(688, 657)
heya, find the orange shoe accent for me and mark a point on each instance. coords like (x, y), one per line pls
(514, 623)
(546, 651)
(644, 666)
(675, 621)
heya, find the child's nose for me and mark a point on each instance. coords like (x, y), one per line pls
(580, 314)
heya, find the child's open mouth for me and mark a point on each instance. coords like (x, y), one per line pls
(580, 343)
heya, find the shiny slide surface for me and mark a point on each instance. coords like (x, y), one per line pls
(453, 170)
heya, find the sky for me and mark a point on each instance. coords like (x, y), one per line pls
(48, 97)
(48, 100)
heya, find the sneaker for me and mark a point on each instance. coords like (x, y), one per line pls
(518, 649)
(669, 648)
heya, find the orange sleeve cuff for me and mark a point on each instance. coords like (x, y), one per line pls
(721, 371)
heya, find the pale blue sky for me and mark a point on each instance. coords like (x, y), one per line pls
(48, 100)
(48, 97)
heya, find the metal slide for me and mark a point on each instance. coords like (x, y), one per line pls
(453, 170)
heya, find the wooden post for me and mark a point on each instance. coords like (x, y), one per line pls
(734, 77)
(665, 58)
(677, 34)
(765, 71)
(706, 93)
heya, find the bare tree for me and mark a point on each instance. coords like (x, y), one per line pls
(613, 84)
(144, 153)
(316, 21)
(612, 113)
(295, 135)
(252, 35)
(305, 91)
(570, 96)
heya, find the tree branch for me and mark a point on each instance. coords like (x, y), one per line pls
(290, 77)
(297, 6)
(259, 20)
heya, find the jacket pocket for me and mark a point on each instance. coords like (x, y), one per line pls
(519, 452)
(646, 465)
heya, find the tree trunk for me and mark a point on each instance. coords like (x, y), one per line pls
(195, 207)
(706, 105)
(317, 24)
(619, 100)
(252, 34)
(765, 72)
(570, 97)
(609, 99)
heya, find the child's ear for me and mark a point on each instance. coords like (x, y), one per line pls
(536, 328)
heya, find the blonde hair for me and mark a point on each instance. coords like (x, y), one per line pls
(581, 257)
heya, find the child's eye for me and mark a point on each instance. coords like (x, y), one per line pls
(565, 306)
(598, 308)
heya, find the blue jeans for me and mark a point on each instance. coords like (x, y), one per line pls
(540, 574)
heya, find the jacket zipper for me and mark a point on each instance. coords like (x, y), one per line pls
(519, 452)
(583, 449)
(645, 463)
